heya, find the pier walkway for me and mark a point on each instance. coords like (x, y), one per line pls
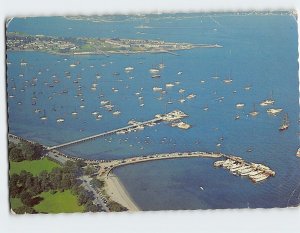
(129, 127)
(168, 117)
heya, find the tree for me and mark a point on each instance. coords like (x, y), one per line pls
(24, 210)
(89, 170)
(44, 181)
(10, 146)
(16, 155)
(14, 189)
(26, 198)
(55, 178)
(116, 207)
(28, 151)
(71, 167)
(91, 207)
(80, 163)
(97, 183)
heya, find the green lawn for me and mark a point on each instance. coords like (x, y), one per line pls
(34, 166)
(15, 203)
(60, 202)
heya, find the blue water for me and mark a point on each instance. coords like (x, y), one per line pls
(258, 51)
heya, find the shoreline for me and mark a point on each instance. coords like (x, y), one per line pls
(117, 192)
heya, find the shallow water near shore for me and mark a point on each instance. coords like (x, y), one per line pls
(259, 51)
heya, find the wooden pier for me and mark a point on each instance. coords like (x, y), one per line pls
(168, 117)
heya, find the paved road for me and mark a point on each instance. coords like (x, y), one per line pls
(57, 157)
(98, 201)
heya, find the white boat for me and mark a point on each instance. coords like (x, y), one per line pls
(128, 69)
(154, 71)
(298, 152)
(227, 81)
(268, 101)
(180, 73)
(157, 89)
(240, 105)
(161, 65)
(155, 76)
(169, 85)
(181, 91)
(109, 107)
(73, 65)
(95, 113)
(23, 63)
(116, 113)
(140, 127)
(60, 120)
(254, 112)
(183, 125)
(181, 100)
(274, 111)
(98, 117)
(44, 117)
(191, 96)
(104, 102)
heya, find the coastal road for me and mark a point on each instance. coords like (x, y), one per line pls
(97, 201)
(59, 158)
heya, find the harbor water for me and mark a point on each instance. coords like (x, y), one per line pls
(258, 53)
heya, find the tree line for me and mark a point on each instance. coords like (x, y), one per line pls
(25, 151)
(27, 187)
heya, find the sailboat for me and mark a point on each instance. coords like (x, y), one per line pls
(74, 113)
(161, 65)
(269, 101)
(285, 124)
(254, 112)
(229, 80)
(44, 117)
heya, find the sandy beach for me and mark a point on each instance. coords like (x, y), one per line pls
(117, 192)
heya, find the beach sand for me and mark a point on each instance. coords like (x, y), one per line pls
(117, 192)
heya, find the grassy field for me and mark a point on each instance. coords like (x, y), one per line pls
(35, 166)
(15, 203)
(60, 202)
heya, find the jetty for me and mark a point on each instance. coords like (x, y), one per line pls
(168, 117)
(107, 166)
(254, 171)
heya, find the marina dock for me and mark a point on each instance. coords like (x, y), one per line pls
(256, 172)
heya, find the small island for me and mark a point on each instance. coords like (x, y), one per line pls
(94, 46)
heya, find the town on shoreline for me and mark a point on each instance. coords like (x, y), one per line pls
(94, 46)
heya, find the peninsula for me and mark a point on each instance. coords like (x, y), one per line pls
(97, 46)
